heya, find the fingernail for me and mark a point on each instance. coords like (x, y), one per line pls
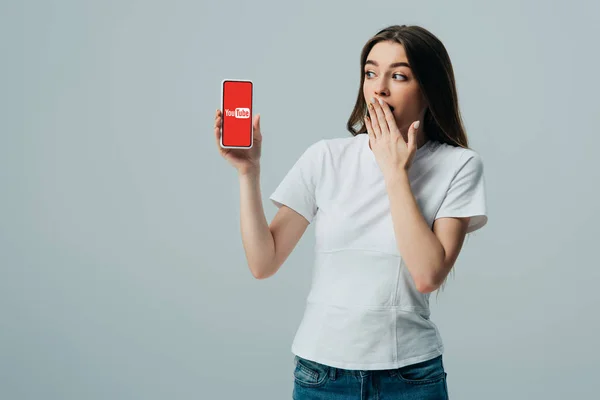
(380, 101)
(373, 100)
(417, 124)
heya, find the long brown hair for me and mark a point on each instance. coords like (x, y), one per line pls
(433, 71)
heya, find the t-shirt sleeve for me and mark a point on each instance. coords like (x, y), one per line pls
(297, 190)
(466, 195)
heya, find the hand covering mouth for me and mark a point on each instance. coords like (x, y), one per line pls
(389, 105)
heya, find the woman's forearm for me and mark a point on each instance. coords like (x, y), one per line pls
(256, 236)
(420, 248)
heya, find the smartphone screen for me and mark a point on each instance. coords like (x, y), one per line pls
(236, 130)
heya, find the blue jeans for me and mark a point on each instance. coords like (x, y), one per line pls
(421, 381)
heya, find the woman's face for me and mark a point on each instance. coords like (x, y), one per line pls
(389, 77)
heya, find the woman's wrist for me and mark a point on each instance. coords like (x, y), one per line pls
(250, 171)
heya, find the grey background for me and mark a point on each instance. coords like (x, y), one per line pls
(122, 273)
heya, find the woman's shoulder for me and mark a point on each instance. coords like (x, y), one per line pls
(455, 154)
(335, 146)
(340, 145)
(340, 142)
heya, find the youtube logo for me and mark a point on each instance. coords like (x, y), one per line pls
(238, 113)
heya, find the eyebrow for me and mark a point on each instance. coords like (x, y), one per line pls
(394, 65)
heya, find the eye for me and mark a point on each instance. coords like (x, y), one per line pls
(402, 77)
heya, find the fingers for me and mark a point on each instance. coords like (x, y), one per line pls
(369, 127)
(217, 127)
(390, 121)
(374, 119)
(412, 134)
(256, 126)
(218, 119)
(383, 126)
(378, 116)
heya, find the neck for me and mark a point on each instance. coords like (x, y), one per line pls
(421, 138)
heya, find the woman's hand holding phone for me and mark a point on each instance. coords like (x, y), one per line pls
(243, 160)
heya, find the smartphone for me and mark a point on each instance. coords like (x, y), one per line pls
(236, 108)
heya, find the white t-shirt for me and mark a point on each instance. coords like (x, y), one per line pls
(363, 310)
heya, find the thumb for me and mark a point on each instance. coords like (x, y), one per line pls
(412, 134)
(256, 125)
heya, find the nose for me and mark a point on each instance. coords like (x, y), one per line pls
(381, 89)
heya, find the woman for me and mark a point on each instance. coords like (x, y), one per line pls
(391, 205)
